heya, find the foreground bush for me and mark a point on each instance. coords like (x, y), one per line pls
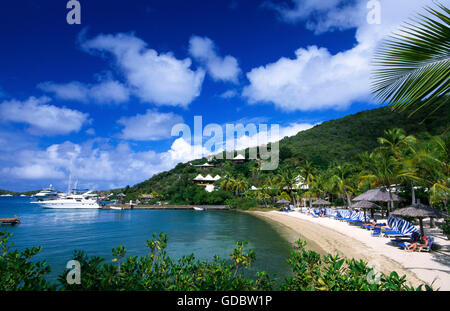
(18, 272)
(157, 271)
(332, 273)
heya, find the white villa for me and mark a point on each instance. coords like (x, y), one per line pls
(239, 159)
(207, 181)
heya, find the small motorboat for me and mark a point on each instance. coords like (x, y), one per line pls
(116, 208)
(199, 208)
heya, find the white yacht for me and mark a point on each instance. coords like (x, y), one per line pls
(46, 194)
(86, 200)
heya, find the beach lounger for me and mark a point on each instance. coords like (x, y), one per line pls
(376, 232)
(393, 233)
(428, 248)
(405, 245)
(366, 226)
(400, 240)
(315, 214)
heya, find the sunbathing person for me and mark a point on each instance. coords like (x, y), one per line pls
(374, 224)
(417, 245)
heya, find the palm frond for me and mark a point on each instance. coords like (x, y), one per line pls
(412, 68)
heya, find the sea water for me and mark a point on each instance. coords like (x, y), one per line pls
(97, 232)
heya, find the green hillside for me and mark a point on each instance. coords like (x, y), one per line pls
(338, 140)
(343, 139)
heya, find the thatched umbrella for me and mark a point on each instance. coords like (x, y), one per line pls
(419, 211)
(365, 205)
(283, 201)
(321, 202)
(378, 195)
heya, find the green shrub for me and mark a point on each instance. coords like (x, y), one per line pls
(331, 273)
(242, 203)
(446, 226)
(17, 271)
(157, 271)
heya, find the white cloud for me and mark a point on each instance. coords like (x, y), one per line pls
(229, 94)
(104, 92)
(97, 164)
(313, 80)
(264, 137)
(152, 125)
(43, 119)
(316, 79)
(220, 68)
(321, 16)
(90, 131)
(155, 78)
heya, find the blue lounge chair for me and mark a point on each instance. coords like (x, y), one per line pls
(315, 213)
(405, 245)
(393, 233)
(428, 248)
(399, 228)
(400, 240)
(376, 232)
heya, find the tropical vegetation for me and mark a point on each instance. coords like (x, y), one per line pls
(413, 66)
(412, 156)
(158, 271)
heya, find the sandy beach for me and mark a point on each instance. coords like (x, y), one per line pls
(335, 237)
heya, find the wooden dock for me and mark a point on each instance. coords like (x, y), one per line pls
(169, 207)
(10, 221)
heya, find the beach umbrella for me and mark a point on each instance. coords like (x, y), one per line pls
(321, 202)
(283, 201)
(377, 195)
(419, 211)
(365, 205)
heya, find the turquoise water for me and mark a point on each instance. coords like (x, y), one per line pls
(205, 234)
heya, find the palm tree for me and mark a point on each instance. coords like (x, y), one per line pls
(342, 178)
(286, 181)
(397, 141)
(320, 185)
(412, 68)
(434, 169)
(381, 169)
(307, 171)
(227, 183)
(240, 185)
(263, 192)
(402, 148)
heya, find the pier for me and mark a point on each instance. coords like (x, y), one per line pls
(168, 207)
(10, 221)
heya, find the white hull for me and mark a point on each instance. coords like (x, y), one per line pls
(71, 205)
(199, 209)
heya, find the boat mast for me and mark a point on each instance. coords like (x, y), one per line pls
(69, 191)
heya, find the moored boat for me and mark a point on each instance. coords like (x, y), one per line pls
(72, 201)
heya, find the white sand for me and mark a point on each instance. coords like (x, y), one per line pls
(349, 241)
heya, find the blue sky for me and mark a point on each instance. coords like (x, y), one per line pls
(99, 99)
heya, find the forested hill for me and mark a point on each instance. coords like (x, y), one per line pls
(343, 139)
(338, 140)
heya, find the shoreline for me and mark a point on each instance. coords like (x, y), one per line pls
(335, 237)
